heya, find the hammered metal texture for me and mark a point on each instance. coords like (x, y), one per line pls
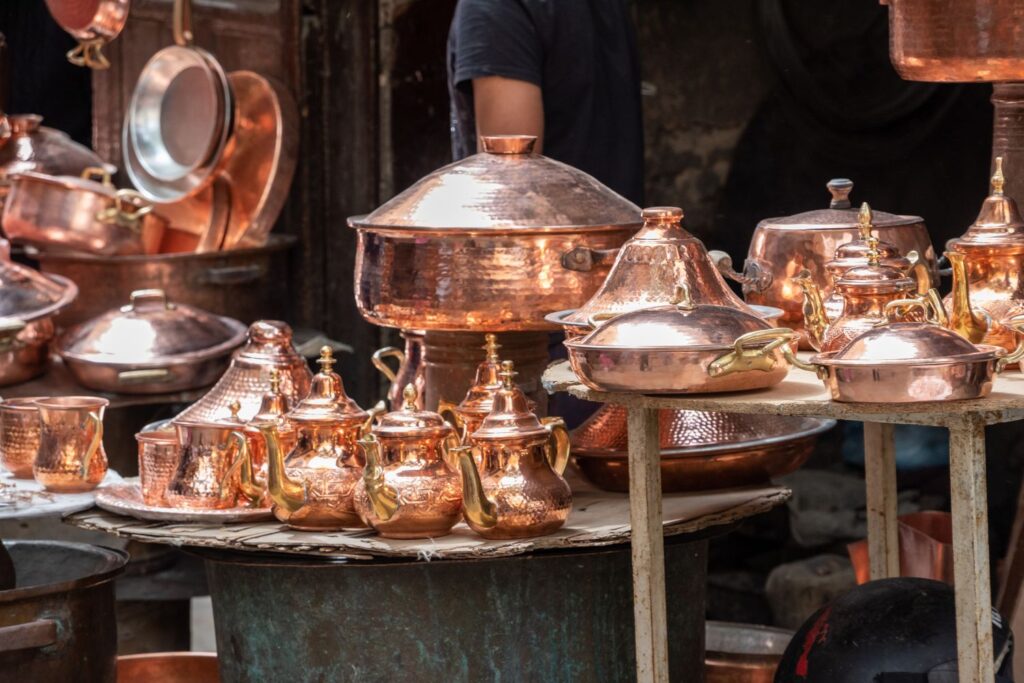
(65, 437)
(204, 478)
(158, 461)
(19, 436)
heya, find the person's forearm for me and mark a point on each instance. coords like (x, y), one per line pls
(505, 106)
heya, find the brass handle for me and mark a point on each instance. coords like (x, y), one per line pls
(1016, 323)
(97, 174)
(742, 358)
(182, 23)
(558, 446)
(130, 377)
(376, 411)
(127, 211)
(28, 636)
(595, 321)
(247, 484)
(585, 259)
(89, 53)
(387, 352)
(449, 412)
(94, 445)
(754, 278)
(895, 309)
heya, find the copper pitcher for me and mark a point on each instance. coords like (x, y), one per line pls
(19, 435)
(521, 492)
(312, 486)
(71, 458)
(408, 489)
(410, 368)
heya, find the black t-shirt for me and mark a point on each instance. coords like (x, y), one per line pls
(582, 54)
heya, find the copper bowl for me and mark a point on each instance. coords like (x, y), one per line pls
(743, 653)
(699, 450)
(168, 667)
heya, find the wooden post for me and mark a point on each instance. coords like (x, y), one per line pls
(967, 486)
(648, 545)
(880, 480)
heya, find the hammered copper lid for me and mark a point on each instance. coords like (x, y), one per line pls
(508, 188)
(681, 324)
(839, 215)
(900, 343)
(151, 329)
(327, 400)
(30, 146)
(27, 294)
(874, 275)
(510, 417)
(410, 422)
(648, 266)
(999, 222)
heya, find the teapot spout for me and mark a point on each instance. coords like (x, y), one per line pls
(815, 320)
(285, 492)
(963, 319)
(383, 498)
(479, 511)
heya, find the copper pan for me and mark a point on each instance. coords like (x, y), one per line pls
(573, 329)
(168, 667)
(956, 40)
(94, 23)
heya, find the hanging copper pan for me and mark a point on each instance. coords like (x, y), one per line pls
(94, 23)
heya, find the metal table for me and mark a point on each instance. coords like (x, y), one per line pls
(802, 394)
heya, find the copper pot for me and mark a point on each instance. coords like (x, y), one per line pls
(80, 214)
(956, 40)
(743, 653)
(783, 247)
(94, 23)
(496, 240)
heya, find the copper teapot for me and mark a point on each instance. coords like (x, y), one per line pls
(521, 492)
(468, 415)
(312, 486)
(408, 489)
(272, 411)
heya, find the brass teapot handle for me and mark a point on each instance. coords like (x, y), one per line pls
(248, 484)
(898, 308)
(94, 444)
(558, 445)
(387, 352)
(449, 412)
(375, 412)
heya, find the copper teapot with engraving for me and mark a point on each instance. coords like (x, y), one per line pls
(521, 492)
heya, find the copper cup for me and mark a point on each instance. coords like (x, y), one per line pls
(19, 435)
(208, 467)
(71, 458)
(159, 453)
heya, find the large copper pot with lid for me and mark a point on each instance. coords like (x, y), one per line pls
(496, 241)
(783, 247)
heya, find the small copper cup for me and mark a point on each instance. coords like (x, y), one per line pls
(71, 458)
(159, 454)
(19, 435)
(207, 476)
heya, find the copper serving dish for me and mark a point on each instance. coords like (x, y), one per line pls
(956, 40)
(783, 247)
(28, 302)
(80, 214)
(496, 241)
(94, 23)
(699, 450)
(150, 346)
(911, 362)
(681, 348)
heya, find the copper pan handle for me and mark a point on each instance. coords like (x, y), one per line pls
(89, 53)
(743, 358)
(182, 23)
(143, 376)
(28, 636)
(585, 259)
(754, 277)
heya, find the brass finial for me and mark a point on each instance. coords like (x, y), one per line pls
(326, 361)
(491, 346)
(235, 406)
(409, 396)
(864, 220)
(873, 254)
(998, 179)
(275, 381)
(507, 374)
(681, 296)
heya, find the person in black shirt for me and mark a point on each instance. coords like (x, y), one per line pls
(566, 71)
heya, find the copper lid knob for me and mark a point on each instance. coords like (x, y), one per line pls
(491, 346)
(508, 374)
(409, 396)
(840, 189)
(998, 179)
(326, 361)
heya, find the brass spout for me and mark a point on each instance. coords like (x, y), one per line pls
(475, 505)
(815, 320)
(376, 411)
(248, 484)
(450, 412)
(964, 320)
(285, 492)
(383, 498)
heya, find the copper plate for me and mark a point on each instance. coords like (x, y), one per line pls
(126, 499)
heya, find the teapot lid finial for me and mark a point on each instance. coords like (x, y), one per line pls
(235, 406)
(508, 374)
(491, 346)
(874, 256)
(864, 219)
(326, 361)
(998, 179)
(409, 396)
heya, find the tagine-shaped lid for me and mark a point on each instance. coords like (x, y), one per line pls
(480, 397)
(410, 422)
(917, 342)
(327, 400)
(680, 324)
(25, 145)
(647, 267)
(511, 416)
(855, 253)
(839, 215)
(27, 294)
(999, 223)
(151, 329)
(505, 188)
(874, 276)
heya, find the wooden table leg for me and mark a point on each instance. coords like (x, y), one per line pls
(648, 545)
(880, 480)
(968, 490)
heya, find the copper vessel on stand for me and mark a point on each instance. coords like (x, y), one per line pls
(521, 492)
(19, 435)
(410, 368)
(312, 486)
(409, 489)
(71, 458)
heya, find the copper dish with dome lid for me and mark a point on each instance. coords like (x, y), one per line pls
(681, 348)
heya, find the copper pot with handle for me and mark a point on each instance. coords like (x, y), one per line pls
(411, 368)
(94, 23)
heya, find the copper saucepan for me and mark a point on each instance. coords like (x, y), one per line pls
(94, 23)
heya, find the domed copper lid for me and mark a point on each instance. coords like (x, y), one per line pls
(29, 146)
(855, 253)
(901, 343)
(505, 188)
(327, 400)
(874, 276)
(26, 294)
(511, 417)
(681, 324)
(410, 421)
(839, 215)
(650, 264)
(999, 222)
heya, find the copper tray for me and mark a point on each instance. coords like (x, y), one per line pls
(126, 499)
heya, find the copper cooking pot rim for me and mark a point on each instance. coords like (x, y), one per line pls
(581, 345)
(561, 318)
(358, 223)
(113, 563)
(238, 331)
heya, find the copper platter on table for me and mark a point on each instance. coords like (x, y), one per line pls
(126, 499)
(699, 450)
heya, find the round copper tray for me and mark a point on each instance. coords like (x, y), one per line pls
(700, 450)
(126, 499)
